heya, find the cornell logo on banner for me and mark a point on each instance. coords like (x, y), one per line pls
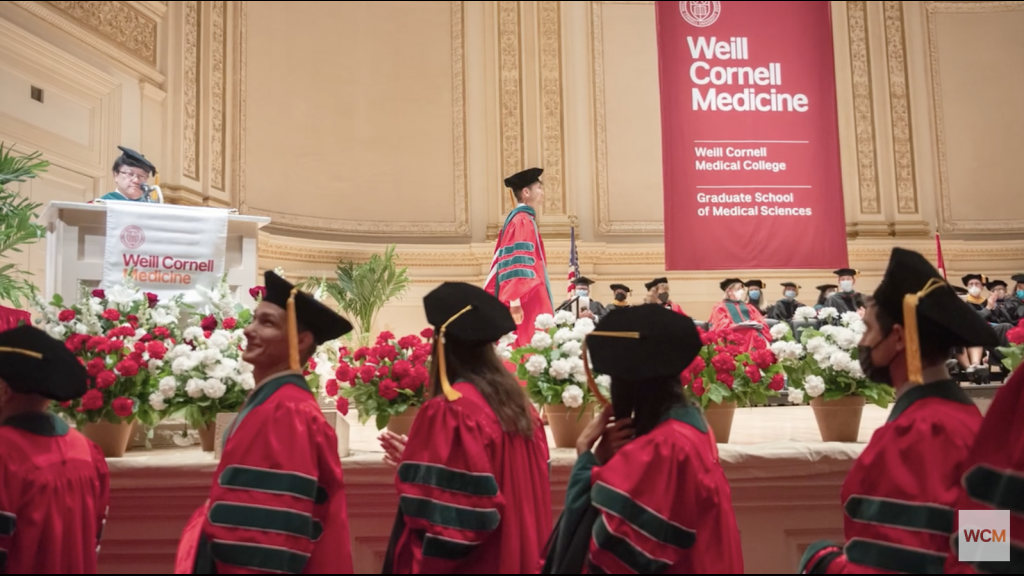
(700, 14)
(132, 237)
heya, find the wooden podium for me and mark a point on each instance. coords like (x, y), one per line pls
(76, 237)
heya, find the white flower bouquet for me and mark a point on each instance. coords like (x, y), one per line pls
(824, 362)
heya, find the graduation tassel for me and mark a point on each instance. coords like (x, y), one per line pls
(22, 351)
(586, 363)
(450, 393)
(913, 335)
(293, 333)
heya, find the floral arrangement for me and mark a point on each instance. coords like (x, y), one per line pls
(552, 364)
(205, 374)
(724, 372)
(123, 337)
(1013, 354)
(824, 362)
(384, 380)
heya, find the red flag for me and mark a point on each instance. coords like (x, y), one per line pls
(938, 248)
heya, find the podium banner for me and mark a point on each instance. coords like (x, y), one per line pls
(167, 250)
(750, 145)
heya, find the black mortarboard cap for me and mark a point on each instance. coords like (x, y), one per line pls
(583, 281)
(993, 284)
(667, 343)
(724, 284)
(31, 362)
(979, 277)
(622, 287)
(846, 272)
(790, 285)
(824, 287)
(960, 290)
(523, 179)
(656, 282)
(324, 323)
(137, 158)
(486, 322)
(1018, 278)
(756, 284)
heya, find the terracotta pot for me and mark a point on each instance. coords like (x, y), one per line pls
(566, 423)
(224, 421)
(207, 435)
(111, 438)
(719, 417)
(838, 420)
(402, 423)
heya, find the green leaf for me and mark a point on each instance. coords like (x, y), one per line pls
(382, 421)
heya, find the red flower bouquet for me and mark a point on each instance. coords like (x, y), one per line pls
(1014, 353)
(724, 372)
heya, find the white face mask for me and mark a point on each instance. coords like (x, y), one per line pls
(846, 285)
(974, 291)
(582, 292)
(739, 294)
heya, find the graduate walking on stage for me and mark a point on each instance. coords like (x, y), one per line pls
(519, 274)
(472, 481)
(54, 486)
(278, 500)
(658, 503)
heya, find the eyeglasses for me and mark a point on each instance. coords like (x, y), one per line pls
(135, 176)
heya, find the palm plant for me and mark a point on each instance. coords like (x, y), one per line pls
(17, 222)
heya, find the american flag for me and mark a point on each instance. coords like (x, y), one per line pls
(574, 262)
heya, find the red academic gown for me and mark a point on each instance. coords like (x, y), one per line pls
(54, 492)
(519, 270)
(994, 477)
(728, 312)
(473, 499)
(661, 505)
(12, 318)
(278, 499)
(900, 496)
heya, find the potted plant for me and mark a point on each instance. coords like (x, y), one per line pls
(552, 367)
(724, 376)
(17, 223)
(386, 381)
(122, 336)
(823, 367)
(1014, 353)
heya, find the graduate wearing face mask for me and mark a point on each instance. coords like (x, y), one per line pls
(1013, 306)
(734, 313)
(594, 310)
(971, 358)
(847, 299)
(621, 300)
(657, 293)
(785, 309)
(755, 295)
(825, 291)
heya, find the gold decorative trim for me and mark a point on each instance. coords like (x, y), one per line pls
(338, 227)
(549, 23)
(218, 80)
(899, 100)
(863, 107)
(240, 68)
(605, 225)
(190, 123)
(511, 90)
(116, 22)
(946, 221)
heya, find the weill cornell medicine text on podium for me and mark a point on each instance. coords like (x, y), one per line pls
(711, 98)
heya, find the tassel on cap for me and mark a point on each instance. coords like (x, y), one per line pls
(913, 336)
(293, 333)
(586, 363)
(450, 393)
(22, 351)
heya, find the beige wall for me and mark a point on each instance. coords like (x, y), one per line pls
(358, 124)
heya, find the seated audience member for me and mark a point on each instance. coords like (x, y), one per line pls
(825, 291)
(657, 293)
(1013, 305)
(755, 295)
(847, 299)
(621, 299)
(971, 358)
(734, 313)
(785, 308)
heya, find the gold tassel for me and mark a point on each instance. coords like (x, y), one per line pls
(586, 363)
(913, 336)
(23, 352)
(512, 196)
(293, 333)
(450, 393)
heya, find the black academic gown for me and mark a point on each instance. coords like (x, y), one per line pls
(596, 308)
(784, 310)
(845, 301)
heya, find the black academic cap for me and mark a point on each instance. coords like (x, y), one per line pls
(31, 362)
(1018, 278)
(622, 287)
(324, 323)
(582, 281)
(137, 158)
(846, 272)
(656, 282)
(756, 284)
(942, 317)
(523, 179)
(993, 284)
(724, 284)
(668, 342)
(824, 287)
(790, 285)
(960, 290)
(979, 277)
(486, 321)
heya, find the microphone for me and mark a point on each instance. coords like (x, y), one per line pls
(153, 193)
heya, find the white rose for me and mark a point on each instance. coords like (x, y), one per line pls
(81, 328)
(841, 361)
(858, 327)
(183, 364)
(214, 388)
(847, 339)
(796, 395)
(814, 386)
(195, 388)
(161, 317)
(193, 333)
(565, 318)
(604, 382)
(210, 356)
(564, 335)
(828, 313)
(572, 396)
(824, 356)
(816, 345)
(544, 322)
(155, 366)
(248, 382)
(583, 327)
(156, 400)
(560, 369)
(179, 351)
(56, 331)
(572, 348)
(168, 387)
(779, 330)
(123, 297)
(805, 313)
(244, 367)
(504, 351)
(541, 341)
(855, 370)
(224, 369)
(848, 318)
(96, 306)
(219, 339)
(536, 365)
(510, 338)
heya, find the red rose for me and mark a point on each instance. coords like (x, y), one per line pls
(66, 315)
(724, 363)
(258, 292)
(760, 344)
(137, 358)
(387, 390)
(708, 337)
(1015, 335)
(384, 337)
(76, 342)
(697, 366)
(342, 404)
(97, 293)
(360, 354)
(387, 352)
(778, 383)
(411, 341)
(127, 367)
(230, 323)
(111, 314)
(698, 387)
(427, 333)
(331, 388)
(97, 343)
(139, 347)
(66, 404)
(146, 338)
(420, 375)
(344, 373)
(401, 369)
(114, 346)
(95, 366)
(92, 400)
(366, 373)
(207, 334)
(123, 407)
(726, 379)
(384, 371)
(104, 379)
(343, 351)
(753, 372)
(157, 350)
(133, 320)
(152, 299)
(161, 332)
(763, 358)
(419, 356)
(209, 323)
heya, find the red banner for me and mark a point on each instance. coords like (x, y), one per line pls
(750, 143)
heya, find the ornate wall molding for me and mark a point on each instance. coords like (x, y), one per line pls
(605, 224)
(863, 107)
(899, 100)
(117, 22)
(238, 160)
(511, 93)
(946, 218)
(190, 119)
(550, 23)
(218, 85)
(337, 227)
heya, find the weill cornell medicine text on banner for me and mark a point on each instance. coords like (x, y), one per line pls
(749, 136)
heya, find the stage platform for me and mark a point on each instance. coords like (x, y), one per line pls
(785, 487)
